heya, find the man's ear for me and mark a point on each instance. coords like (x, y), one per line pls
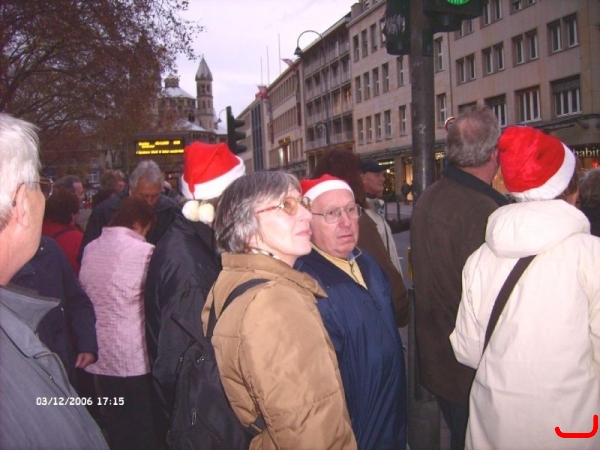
(22, 209)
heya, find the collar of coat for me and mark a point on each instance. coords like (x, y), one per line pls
(263, 266)
(21, 309)
(472, 182)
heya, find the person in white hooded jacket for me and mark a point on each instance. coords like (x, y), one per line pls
(537, 384)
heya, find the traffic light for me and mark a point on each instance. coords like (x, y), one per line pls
(397, 27)
(234, 136)
(447, 15)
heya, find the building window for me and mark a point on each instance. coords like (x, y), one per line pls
(498, 105)
(400, 70)
(460, 69)
(378, 130)
(499, 56)
(532, 44)
(369, 130)
(375, 82)
(402, 117)
(529, 105)
(381, 33)
(373, 37)
(387, 117)
(356, 48)
(367, 84)
(571, 29)
(525, 47)
(566, 95)
(561, 32)
(364, 43)
(486, 56)
(554, 32)
(471, 67)
(492, 11)
(439, 53)
(441, 110)
(358, 90)
(361, 132)
(519, 51)
(385, 69)
(518, 5)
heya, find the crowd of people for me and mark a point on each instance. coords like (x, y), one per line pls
(95, 322)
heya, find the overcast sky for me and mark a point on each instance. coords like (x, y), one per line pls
(241, 36)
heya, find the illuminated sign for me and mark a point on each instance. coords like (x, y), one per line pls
(152, 147)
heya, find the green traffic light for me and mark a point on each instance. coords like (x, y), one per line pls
(458, 2)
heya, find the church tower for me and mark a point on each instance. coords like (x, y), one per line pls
(205, 112)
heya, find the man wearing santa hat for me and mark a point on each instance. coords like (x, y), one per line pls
(358, 315)
(537, 384)
(184, 266)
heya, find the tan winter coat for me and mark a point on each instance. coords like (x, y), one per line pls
(275, 356)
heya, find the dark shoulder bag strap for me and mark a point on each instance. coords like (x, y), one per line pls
(237, 291)
(256, 427)
(507, 288)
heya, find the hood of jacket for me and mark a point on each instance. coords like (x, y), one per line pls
(530, 228)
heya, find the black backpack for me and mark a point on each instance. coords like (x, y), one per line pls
(203, 418)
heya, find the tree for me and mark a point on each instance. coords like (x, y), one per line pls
(87, 72)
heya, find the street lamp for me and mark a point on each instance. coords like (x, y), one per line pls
(298, 53)
(219, 116)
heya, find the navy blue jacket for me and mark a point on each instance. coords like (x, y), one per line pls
(68, 329)
(369, 349)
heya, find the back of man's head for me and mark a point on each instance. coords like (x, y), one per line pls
(67, 182)
(472, 137)
(19, 161)
(149, 171)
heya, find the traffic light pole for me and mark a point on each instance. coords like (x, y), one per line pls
(423, 99)
(423, 411)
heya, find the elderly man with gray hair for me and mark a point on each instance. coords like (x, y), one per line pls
(38, 408)
(146, 181)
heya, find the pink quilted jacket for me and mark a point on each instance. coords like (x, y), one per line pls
(113, 274)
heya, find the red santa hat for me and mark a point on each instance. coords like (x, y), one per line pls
(535, 165)
(313, 188)
(208, 169)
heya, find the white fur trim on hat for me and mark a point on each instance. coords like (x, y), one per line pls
(215, 187)
(555, 185)
(325, 186)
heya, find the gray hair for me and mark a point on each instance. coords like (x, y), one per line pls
(472, 137)
(589, 189)
(149, 171)
(19, 161)
(235, 221)
(67, 182)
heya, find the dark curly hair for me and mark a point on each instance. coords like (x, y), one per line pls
(345, 165)
(61, 206)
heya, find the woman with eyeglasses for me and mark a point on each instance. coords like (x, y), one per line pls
(358, 315)
(275, 357)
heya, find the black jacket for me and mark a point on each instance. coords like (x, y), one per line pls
(70, 328)
(166, 211)
(448, 224)
(183, 268)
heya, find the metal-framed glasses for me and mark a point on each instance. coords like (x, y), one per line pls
(46, 186)
(334, 216)
(289, 205)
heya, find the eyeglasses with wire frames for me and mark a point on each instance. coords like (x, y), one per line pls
(46, 186)
(289, 205)
(334, 216)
